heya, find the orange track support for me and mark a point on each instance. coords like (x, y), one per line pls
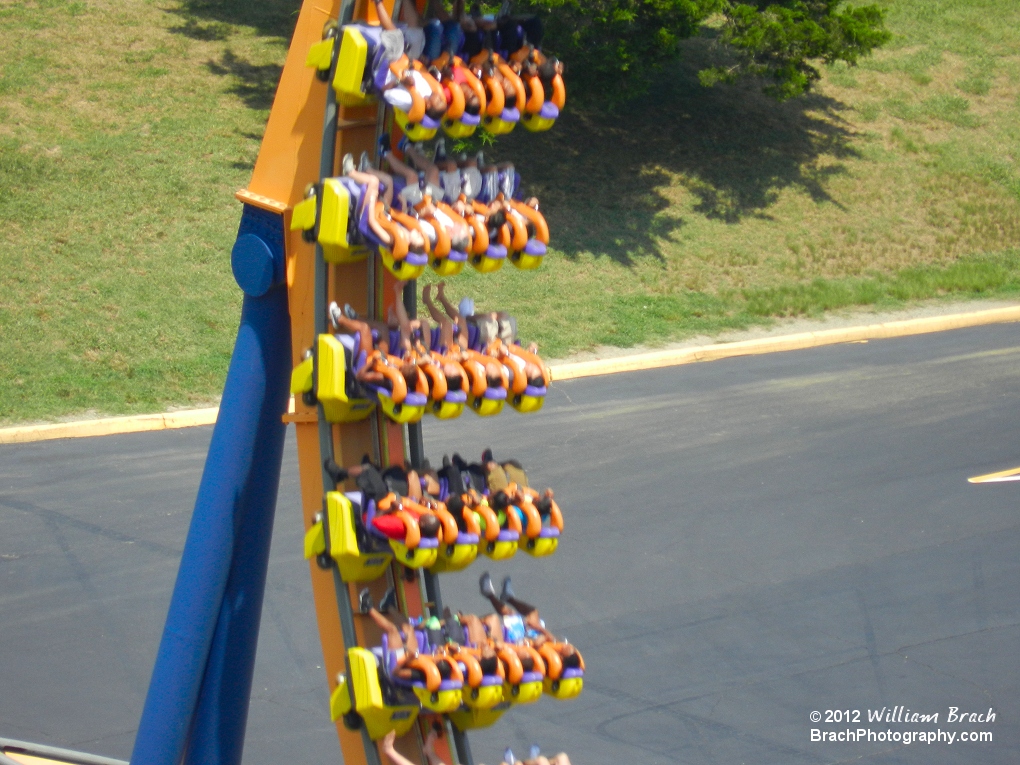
(288, 161)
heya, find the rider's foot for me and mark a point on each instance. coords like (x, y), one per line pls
(389, 601)
(507, 591)
(485, 585)
(365, 601)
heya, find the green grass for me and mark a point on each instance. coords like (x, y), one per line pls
(125, 128)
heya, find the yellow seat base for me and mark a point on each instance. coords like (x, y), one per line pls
(485, 697)
(526, 262)
(446, 267)
(541, 546)
(497, 125)
(523, 693)
(486, 407)
(457, 129)
(486, 265)
(454, 558)
(467, 718)
(399, 268)
(443, 410)
(414, 131)
(439, 701)
(417, 557)
(563, 689)
(400, 413)
(537, 124)
(500, 550)
(527, 404)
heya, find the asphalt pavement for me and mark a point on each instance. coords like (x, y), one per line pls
(748, 541)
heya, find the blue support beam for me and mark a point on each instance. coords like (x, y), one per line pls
(197, 703)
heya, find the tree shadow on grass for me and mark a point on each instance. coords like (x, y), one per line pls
(211, 19)
(214, 20)
(609, 181)
(255, 84)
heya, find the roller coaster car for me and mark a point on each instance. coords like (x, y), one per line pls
(449, 406)
(397, 256)
(460, 552)
(342, 397)
(561, 682)
(434, 692)
(520, 686)
(498, 248)
(485, 256)
(397, 402)
(524, 395)
(507, 541)
(485, 399)
(415, 124)
(481, 691)
(413, 550)
(544, 543)
(444, 403)
(442, 258)
(457, 123)
(452, 263)
(367, 698)
(399, 220)
(500, 119)
(458, 540)
(499, 537)
(530, 256)
(541, 113)
(359, 556)
(331, 229)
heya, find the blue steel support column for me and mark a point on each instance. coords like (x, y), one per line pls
(197, 702)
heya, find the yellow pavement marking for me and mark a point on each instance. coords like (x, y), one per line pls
(568, 371)
(31, 759)
(1013, 474)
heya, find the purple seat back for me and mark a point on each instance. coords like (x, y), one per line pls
(535, 247)
(496, 251)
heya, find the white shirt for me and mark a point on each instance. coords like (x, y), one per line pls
(399, 98)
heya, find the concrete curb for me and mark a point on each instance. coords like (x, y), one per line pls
(109, 426)
(800, 341)
(569, 371)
